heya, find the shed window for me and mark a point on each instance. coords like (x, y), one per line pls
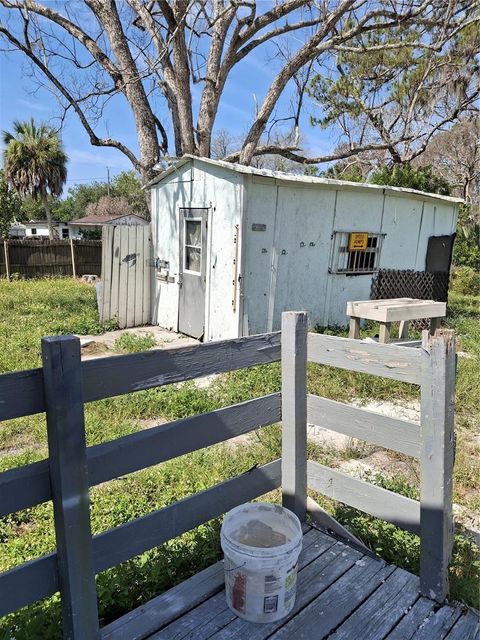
(193, 245)
(33, 231)
(354, 252)
(65, 233)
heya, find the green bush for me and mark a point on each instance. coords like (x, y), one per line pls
(404, 175)
(466, 281)
(466, 252)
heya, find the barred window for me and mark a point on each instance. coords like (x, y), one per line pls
(354, 252)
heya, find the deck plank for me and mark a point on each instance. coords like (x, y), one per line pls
(144, 620)
(436, 627)
(410, 622)
(376, 617)
(341, 595)
(312, 581)
(467, 627)
(213, 615)
(335, 604)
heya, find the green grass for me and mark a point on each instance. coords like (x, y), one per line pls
(31, 309)
(131, 343)
(43, 307)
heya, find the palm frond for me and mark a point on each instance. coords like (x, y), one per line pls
(35, 163)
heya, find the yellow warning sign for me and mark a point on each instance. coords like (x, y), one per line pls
(357, 241)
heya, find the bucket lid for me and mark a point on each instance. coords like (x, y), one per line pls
(262, 529)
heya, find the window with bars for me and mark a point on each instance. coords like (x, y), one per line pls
(354, 252)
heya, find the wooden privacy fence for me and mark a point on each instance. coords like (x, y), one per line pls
(64, 384)
(126, 275)
(39, 258)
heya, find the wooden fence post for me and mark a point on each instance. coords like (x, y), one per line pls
(437, 457)
(72, 251)
(69, 483)
(294, 412)
(7, 262)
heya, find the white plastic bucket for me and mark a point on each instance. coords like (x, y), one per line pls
(261, 543)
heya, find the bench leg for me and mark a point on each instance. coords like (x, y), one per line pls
(354, 331)
(435, 323)
(384, 335)
(403, 330)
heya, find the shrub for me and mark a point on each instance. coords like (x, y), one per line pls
(466, 252)
(466, 280)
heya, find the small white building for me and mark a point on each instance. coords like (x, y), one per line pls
(39, 229)
(234, 246)
(17, 230)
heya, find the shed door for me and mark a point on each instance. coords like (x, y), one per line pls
(193, 260)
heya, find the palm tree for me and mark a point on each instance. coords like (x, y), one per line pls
(34, 163)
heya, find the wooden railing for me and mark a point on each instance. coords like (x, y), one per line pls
(433, 368)
(62, 386)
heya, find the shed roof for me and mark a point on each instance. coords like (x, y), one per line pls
(99, 220)
(290, 177)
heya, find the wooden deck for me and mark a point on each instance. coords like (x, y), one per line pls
(342, 594)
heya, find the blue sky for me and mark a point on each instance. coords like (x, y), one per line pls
(21, 99)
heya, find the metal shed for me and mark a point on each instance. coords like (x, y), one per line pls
(234, 246)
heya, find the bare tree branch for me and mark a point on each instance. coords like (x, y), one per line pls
(144, 49)
(94, 139)
(291, 153)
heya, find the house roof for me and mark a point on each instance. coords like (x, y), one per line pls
(290, 177)
(37, 222)
(99, 220)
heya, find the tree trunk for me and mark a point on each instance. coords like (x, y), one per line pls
(133, 88)
(46, 207)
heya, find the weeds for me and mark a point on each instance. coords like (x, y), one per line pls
(132, 343)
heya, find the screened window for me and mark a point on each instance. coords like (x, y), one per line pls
(355, 252)
(193, 245)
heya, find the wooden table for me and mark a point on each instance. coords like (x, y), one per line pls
(394, 310)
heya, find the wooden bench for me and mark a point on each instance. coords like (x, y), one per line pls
(401, 310)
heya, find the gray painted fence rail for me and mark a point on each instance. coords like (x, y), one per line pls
(394, 362)
(28, 486)
(391, 433)
(378, 502)
(65, 384)
(21, 392)
(38, 579)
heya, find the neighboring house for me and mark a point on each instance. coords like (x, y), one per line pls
(89, 222)
(17, 230)
(39, 228)
(234, 246)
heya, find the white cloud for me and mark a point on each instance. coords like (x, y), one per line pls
(101, 159)
(36, 106)
(248, 113)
